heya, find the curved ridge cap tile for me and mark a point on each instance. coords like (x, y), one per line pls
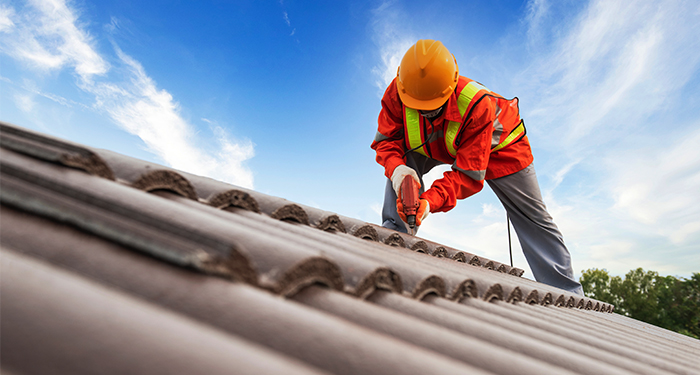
(163, 179)
(53, 150)
(502, 268)
(494, 292)
(564, 301)
(459, 257)
(516, 272)
(67, 199)
(589, 305)
(475, 261)
(310, 271)
(547, 299)
(331, 223)
(465, 289)
(581, 303)
(516, 295)
(420, 247)
(381, 279)
(439, 252)
(291, 212)
(431, 284)
(234, 198)
(597, 306)
(395, 240)
(90, 163)
(366, 232)
(235, 266)
(532, 298)
(490, 265)
(571, 302)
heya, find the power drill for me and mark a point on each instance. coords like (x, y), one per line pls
(410, 191)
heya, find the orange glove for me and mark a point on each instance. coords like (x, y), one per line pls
(421, 213)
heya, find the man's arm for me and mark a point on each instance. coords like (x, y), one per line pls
(389, 141)
(469, 170)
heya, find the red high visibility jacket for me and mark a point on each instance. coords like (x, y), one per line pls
(479, 133)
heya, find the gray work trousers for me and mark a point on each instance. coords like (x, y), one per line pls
(540, 239)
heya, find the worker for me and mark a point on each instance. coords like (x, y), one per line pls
(430, 116)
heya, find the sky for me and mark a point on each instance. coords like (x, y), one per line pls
(282, 96)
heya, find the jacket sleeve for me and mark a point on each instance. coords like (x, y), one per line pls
(389, 141)
(469, 169)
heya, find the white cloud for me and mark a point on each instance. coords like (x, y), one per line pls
(47, 37)
(288, 22)
(660, 188)
(50, 38)
(619, 62)
(393, 40)
(605, 98)
(537, 11)
(25, 102)
(153, 115)
(6, 15)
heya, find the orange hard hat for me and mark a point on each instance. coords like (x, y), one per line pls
(427, 75)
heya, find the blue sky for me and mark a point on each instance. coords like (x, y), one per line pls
(283, 96)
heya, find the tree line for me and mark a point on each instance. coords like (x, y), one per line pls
(665, 301)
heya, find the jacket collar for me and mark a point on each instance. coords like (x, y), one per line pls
(452, 110)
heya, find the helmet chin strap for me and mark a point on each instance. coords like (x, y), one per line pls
(434, 113)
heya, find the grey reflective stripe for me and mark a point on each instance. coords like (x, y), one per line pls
(434, 136)
(474, 175)
(497, 131)
(381, 137)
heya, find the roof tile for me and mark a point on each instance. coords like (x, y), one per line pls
(294, 287)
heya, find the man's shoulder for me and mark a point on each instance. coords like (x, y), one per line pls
(391, 95)
(391, 88)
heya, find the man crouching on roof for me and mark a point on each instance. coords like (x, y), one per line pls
(430, 116)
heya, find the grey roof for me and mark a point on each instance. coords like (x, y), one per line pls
(115, 265)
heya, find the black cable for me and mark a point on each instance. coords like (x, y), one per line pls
(427, 138)
(510, 249)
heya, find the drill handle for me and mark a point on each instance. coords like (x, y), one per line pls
(410, 191)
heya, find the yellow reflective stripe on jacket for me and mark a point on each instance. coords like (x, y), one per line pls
(413, 130)
(467, 94)
(517, 132)
(465, 97)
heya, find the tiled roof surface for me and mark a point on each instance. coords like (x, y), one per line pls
(116, 265)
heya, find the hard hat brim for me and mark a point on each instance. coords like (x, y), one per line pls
(423, 105)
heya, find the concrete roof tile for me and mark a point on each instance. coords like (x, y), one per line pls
(274, 283)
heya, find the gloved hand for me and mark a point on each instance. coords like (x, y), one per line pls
(421, 213)
(397, 178)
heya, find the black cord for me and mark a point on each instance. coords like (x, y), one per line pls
(427, 138)
(510, 249)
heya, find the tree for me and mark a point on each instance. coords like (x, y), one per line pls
(665, 301)
(597, 284)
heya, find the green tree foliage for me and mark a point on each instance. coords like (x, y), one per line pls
(664, 301)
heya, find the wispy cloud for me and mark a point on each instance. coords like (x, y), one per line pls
(47, 37)
(617, 63)
(660, 188)
(6, 13)
(609, 103)
(285, 15)
(537, 11)
(392, 39)
(50, 38)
